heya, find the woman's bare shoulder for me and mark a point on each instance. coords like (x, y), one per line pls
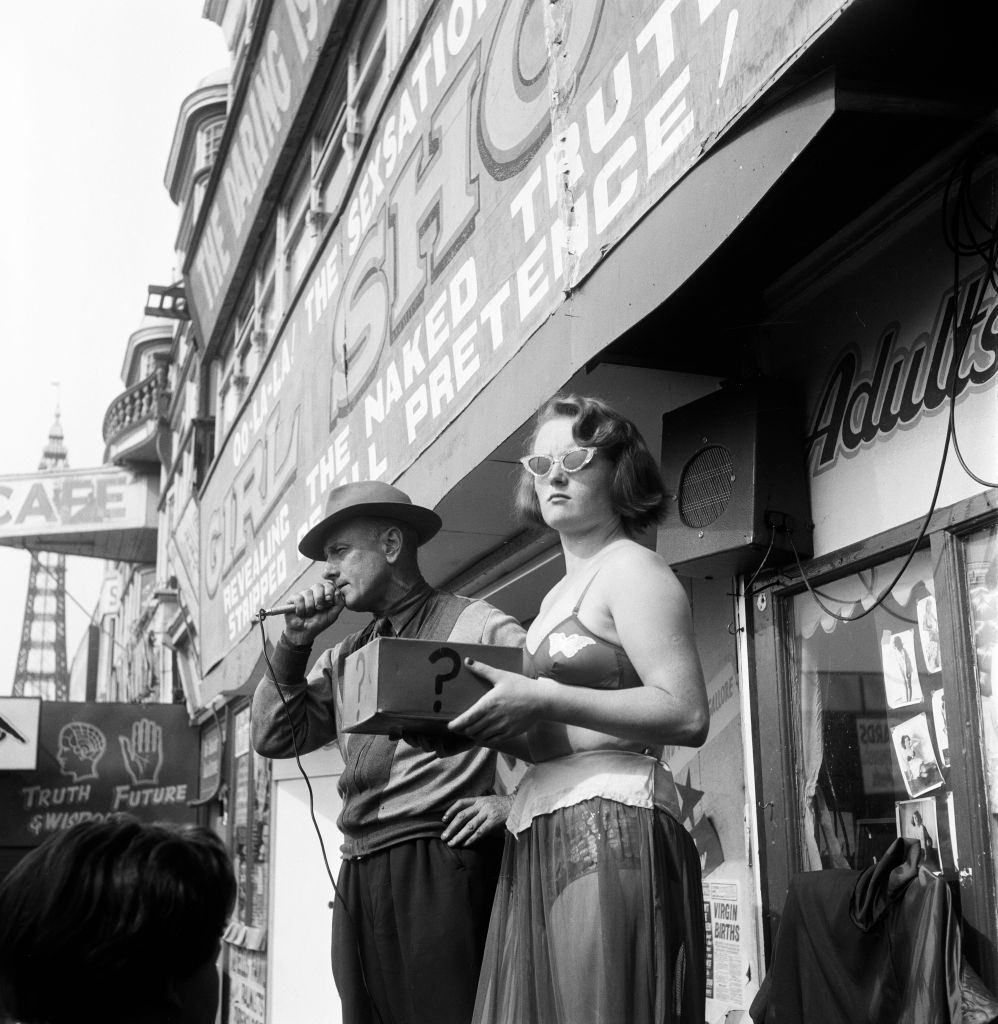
(636, 573)
(630, 556)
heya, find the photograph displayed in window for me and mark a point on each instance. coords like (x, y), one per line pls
(919, 820)
(981, 562)
(874, 753)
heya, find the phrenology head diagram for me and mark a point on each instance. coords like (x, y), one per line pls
(81, 746)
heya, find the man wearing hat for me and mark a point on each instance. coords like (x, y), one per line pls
(413, 909)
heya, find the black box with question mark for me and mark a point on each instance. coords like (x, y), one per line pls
(396, 685)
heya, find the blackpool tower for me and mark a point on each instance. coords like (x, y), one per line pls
(41, 660)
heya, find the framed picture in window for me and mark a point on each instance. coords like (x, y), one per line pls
(897, 655)
(928, 633)
(917, 819)
(915, 755)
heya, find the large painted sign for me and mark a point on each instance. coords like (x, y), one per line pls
(96, 760)
(106, 512)
(287, 58)
(521, 141)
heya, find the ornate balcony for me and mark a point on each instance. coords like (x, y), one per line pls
(133, 419)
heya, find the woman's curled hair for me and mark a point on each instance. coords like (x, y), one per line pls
(637, 491)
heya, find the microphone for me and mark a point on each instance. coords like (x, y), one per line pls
(281, 609)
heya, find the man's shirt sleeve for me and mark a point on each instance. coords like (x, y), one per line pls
(309, 700)
(502, 630)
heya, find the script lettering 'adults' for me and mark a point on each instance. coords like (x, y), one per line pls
(854, 409)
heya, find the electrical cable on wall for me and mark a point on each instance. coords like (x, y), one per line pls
(747, 591)
(765, 558)
(965, 215)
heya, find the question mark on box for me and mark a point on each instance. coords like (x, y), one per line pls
(439, 680)
(360, 667)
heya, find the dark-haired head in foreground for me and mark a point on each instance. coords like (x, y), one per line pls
(117, 922)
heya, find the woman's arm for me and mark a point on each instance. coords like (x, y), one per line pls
(651, 616)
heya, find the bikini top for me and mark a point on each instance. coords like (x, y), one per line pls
(573, 654)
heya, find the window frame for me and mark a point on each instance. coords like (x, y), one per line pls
(776, 715)
(978, 882)
(366, 82)
(208, 142)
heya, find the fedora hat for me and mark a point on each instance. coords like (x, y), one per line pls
(370, 498)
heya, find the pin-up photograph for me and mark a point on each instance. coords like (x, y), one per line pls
(928, 633)
(917, 819)
(916, 758)
(901, 684)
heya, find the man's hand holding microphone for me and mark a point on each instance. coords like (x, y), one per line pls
(309, 613)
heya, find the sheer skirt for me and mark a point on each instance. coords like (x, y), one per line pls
(598, 919)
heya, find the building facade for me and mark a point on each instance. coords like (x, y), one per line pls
(134, 663)
(769, 245)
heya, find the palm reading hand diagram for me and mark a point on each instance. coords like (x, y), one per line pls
(143, 752)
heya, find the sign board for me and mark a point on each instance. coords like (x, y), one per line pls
(417, 685)
(876, 756)
(255, 136)
(248, 986)
(486, 191)
(725, 943)
(96, 760)
(210, 773)
(19, 717)
(104, 513)
(874, 359)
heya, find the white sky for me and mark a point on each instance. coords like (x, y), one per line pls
(91, 92)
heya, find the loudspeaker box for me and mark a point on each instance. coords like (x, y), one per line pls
(735, 481)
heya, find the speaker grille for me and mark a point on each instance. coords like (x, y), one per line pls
(705, 486)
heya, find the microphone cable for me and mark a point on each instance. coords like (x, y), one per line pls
(337, 895)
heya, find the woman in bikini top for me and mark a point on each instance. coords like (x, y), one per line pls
(598, 915)
(570, 653)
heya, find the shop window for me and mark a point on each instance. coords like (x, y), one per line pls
(874, 753)
(981, 568)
